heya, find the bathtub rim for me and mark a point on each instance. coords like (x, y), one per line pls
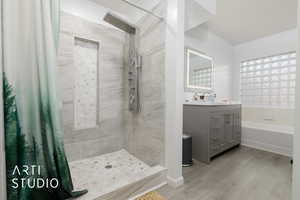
(290, 130)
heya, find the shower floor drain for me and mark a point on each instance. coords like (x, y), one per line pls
(108, 166)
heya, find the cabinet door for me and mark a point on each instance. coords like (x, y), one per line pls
(229, 129)
(216, 133)
(237, 127)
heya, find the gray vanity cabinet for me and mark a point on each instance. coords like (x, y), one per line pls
(215, 129)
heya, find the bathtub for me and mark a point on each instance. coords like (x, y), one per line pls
(272, 138)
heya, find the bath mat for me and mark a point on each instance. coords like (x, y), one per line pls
(151, 196)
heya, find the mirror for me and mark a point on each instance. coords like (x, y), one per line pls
(199, 70)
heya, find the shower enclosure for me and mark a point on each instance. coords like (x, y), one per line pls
(111, 83)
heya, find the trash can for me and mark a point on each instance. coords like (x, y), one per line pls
(187, 142)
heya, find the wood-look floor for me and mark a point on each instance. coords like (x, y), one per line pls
(240, 174)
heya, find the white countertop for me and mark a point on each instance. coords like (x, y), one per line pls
(199, 103)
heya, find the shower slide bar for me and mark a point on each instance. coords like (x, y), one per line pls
(143, 9)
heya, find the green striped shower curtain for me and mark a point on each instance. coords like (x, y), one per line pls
(33, 129)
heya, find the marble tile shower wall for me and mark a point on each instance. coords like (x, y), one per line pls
(108, 135)
(145, 135)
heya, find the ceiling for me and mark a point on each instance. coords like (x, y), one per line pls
(240, 21)
(128, 12)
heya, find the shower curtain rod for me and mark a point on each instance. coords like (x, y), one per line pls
(143, 9)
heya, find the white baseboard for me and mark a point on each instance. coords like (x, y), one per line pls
(175, 182)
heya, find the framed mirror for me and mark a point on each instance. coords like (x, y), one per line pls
(199, 71)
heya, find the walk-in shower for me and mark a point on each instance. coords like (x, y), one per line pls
(111, 83)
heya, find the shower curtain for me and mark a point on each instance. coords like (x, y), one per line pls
(37, 168)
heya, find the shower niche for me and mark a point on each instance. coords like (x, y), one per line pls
(86, 62)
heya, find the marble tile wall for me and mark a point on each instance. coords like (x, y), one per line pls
(108, 134)
(145, 137)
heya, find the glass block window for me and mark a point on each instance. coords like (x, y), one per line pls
(269, 81)
(202, 77)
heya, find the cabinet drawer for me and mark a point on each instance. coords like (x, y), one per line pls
(217, 148)
(214, 151)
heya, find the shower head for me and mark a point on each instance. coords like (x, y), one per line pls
(119, 23)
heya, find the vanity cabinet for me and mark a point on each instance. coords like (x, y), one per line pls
(214, 129)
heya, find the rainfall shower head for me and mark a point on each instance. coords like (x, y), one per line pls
(119, 23)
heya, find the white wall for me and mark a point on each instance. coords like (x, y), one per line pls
(271, 45)
(221, 51)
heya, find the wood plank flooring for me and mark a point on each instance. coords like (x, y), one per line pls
(240, 174)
